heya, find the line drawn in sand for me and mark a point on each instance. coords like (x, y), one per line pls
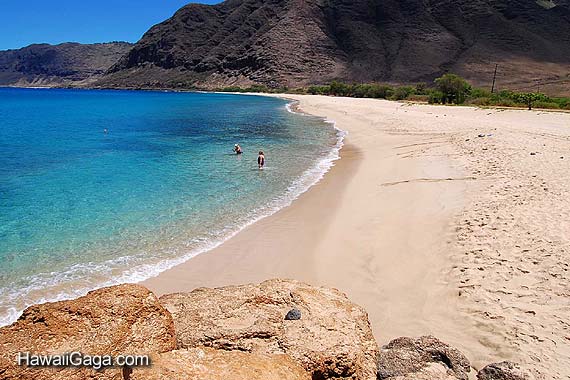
(428, 180)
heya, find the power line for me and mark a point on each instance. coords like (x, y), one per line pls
(539, 83)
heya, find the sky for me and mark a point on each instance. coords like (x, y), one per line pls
(23, 22)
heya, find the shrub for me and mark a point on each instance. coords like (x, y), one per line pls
(319, 90)
(299, 91)
(481, 101)
(563, 103)
(382, 91)
(401, 93)
(280, 90)
(231, 89)
(529, 98)
(372, 91)
(505, 102)
(505, 94)
(479, 93)
(421, 89)
(362, 91)
(257, 88)
(546, 104)
(436, 96)
(418, 98)
(454, 88)
(340, 89)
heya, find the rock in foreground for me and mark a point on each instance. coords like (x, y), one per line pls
(333, 339)
(276, 330)
(210, 364)
(125, 319)
(423, 358)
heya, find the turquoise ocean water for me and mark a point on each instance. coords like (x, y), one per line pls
(80, 208)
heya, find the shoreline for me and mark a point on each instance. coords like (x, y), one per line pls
(309, 177)
(305, 239)
(449, 221)
(283, 95)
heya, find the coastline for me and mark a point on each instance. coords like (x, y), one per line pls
(449, 221)
(358, 231)
(311, 174)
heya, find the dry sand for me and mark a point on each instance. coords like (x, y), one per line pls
(431, 228)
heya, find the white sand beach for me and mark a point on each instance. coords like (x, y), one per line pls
(429, 227)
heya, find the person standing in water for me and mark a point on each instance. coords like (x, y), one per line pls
(261, 159)
(237, 149)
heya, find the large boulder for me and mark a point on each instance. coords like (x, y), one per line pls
(119, 320)
(504, 371)
(209, 364)
(409, 358)
(332, 338)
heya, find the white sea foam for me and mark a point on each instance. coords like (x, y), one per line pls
(80, 274)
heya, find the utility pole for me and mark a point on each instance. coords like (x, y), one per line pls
(494, 78)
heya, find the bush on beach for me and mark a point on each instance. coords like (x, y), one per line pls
(453, 89)
(447, 89)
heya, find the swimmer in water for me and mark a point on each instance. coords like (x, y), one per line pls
(261, 159)
(105, 131)
(237, 149)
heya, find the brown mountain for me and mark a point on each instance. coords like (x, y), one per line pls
(68, 64)
(299, 42)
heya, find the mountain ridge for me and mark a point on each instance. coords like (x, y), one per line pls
(296, 43)
(66, 64)
(300, 42)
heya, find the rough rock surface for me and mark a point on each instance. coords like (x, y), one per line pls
(210, 364)
(432, 371)
(408, 358)
(333, 339)
(504, 371)
(124, 319)
(299, 42)
(293, 315)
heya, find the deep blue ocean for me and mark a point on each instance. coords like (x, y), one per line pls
(81, 208)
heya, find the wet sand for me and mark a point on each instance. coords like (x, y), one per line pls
(431, 228)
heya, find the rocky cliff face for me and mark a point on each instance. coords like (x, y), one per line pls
(299, 42)
(58, 65)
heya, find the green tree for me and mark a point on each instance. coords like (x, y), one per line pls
(454, 88)
(529, 98)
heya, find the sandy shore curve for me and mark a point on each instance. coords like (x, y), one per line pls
(403, 224)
